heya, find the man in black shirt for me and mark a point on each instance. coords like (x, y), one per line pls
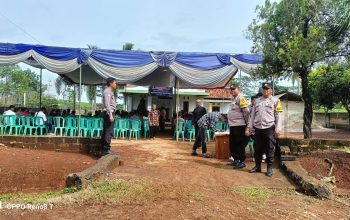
(198, 112)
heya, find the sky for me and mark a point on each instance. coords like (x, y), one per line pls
(159, 25)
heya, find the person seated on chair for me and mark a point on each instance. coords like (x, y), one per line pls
(42, 114)
(179, 119)
(10, 111)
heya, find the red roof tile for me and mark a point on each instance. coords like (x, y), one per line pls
(219, 94)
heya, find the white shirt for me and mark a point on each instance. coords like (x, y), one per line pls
(41, 114)
(9, 112)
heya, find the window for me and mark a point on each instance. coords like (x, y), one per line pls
(216, 108)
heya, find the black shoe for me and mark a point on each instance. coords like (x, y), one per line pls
(235, 163)
(269, 171)
(104, 153)
(256, 169)
(194, 153)
(240, 165)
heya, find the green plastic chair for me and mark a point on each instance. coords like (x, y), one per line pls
(135, 129)
(2, 124)
(146, 130)
(59, 123)
(29, 126)
(71, 126)
(85, 126)
(251, 148)
(12, 123)
(123, 128)
(189, 130)
(39, 124)
(116, 128)
(180, 131)
(96, 127)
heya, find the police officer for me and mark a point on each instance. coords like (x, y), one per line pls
(266, 122)
(108, 115)
(238, 119)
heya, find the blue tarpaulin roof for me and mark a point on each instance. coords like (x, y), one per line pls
(204, 70)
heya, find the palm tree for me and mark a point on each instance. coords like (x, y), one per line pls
(128, 46)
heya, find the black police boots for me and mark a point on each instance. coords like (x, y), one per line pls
(256, 169)
(269, 170)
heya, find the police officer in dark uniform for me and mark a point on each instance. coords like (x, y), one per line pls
(267, 124)
(108, 115)
(238, 119)
(198, 112)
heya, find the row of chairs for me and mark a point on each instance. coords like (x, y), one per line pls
(64, 126)
(187, 129)
(131, 128)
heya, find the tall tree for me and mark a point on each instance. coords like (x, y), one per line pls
(91, 91)
(293, 36)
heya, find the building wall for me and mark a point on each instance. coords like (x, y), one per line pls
(224, 106)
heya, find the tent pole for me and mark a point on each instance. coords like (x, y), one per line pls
(176, 107)
(75, 97)
(41, 82)
(80, 70)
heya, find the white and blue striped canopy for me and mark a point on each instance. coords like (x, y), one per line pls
(194, 70)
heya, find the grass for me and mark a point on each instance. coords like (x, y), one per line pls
(334, 110)
(346, 150)
(111, 192)
(259, 194)
(195, 196)
(35, 199)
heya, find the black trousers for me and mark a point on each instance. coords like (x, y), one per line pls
(238, 142)
(153, 131)
(200, 140)
(107, 132)
(264, 143)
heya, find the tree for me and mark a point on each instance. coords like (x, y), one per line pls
(128, 46)
(293, 36)
(324, 85)
(14, 82)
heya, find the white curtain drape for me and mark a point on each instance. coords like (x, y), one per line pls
(203, 78)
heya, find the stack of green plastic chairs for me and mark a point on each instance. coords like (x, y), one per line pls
(146, 128)
(135, 129)
(12, 123)
(59, 123)
(96, 127)
(180, 131)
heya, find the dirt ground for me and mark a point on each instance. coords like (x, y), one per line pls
(194, 188)
(33, 171)
(329, 134)
(316, 166)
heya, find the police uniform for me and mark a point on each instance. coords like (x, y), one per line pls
(265, 120)
(238, 119)
(109, 104)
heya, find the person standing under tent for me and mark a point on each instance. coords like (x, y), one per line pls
(207, 121)
(267, 124)
(153, 117)
(198, 112)
(108, 115)
(238, 119)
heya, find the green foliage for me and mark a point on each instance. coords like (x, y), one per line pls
(128, 46)
(14, 82)
(293, 36)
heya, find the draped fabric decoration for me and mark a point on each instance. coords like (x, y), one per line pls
(194, 70)
(247, 62)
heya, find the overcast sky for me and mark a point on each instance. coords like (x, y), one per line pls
(180, 25)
